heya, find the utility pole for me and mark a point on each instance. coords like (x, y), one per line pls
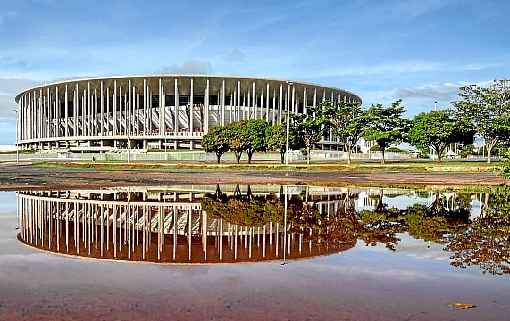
(288, 125)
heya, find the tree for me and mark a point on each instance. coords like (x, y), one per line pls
(277, 139)
(386, 125)
(437, 130)
(238, 138)
(488, 109)
(349, 123)
(312, 126)
(256, 134)
(217, 141)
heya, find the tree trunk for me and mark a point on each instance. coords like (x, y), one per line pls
(218, 157)
(348, 154)
(308, 155)
(250, 155)
(238, 156)
(382, 151)
(282, 156)
(489, 150)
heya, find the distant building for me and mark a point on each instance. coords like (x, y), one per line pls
(157, 111)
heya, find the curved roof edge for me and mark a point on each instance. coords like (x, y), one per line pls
(71, 80)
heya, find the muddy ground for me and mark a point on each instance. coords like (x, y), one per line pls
(26, 176)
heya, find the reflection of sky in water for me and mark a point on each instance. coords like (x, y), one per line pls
(416, 277)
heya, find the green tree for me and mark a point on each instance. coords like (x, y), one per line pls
(488, 109)
(437, 130)
(349, 123)
(217, 141)
(238, 139)
(256, 134)
(312, 126)
(387, 126)
(277, 139)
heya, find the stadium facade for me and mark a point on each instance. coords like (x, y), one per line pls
(156, 111)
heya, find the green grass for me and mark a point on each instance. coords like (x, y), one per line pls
(358, 167)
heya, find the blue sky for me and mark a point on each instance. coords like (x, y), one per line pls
(420, 51)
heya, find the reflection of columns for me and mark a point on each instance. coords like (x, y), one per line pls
(189, 233)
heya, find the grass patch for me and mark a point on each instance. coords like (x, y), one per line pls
(358, 167)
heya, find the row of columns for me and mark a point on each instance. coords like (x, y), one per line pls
(120, 108)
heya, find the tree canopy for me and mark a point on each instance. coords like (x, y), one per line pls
(217, 141)
(349, 123)
(386, 125)
(488, 109)
(437, 130)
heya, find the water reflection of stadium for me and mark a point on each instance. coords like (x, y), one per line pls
(170, 224)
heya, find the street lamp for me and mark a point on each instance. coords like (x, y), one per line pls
(289, 84)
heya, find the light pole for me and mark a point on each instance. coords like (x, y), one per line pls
(288, 125)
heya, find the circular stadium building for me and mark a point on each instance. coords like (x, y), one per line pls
(156, 111)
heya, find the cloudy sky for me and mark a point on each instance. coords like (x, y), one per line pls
(420, 51)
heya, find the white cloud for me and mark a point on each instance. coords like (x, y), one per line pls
(189, 67)
(9, 88)
(404, 67)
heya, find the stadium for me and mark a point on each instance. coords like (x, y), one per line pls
(156, 111)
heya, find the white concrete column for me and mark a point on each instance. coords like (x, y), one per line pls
(261, 104)
(102, 122)
(273, 112)
(176, 103)
(247, 110)
(294, 109)
(108, 111)
(94, 113)
(280, 105)
(254, 102)
(161, 116)
(238, 101)
(83, 113)
(267, 102)
(66, 112)
(145, 119)
(314, 104)
(191, 107)
(57, 113)
(232, 98)
(206, 120)
(115, 107)
(304, 102)
(222, 122)
(75, 108)
(89, 110)
(129, 110)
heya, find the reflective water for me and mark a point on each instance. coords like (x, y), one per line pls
(329, 253)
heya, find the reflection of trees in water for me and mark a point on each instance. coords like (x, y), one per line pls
(484, 242)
